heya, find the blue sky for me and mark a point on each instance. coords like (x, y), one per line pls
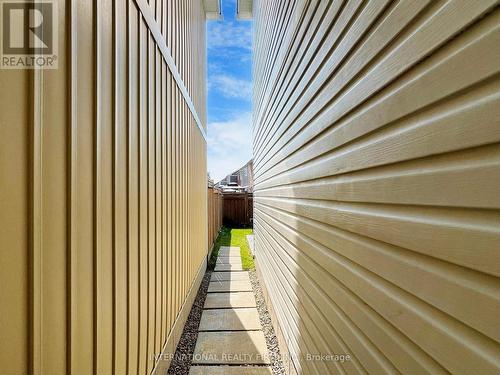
(229, 85)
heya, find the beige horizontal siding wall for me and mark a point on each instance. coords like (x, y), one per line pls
(377, 182)
(103, 190)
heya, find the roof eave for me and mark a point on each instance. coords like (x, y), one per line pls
(213, 9)
(244, 9)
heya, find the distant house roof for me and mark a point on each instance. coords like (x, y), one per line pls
(213, 9)
(244, 9)
(243, 177)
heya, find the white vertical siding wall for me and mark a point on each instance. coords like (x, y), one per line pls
(377, 182)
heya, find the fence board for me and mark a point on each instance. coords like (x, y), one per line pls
(238, 209)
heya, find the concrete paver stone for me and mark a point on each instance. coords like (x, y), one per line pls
(230, 286)
(228, 267)
(230, 320)
(229, 276)
(230, 370)
(233, 347)
(230, 300)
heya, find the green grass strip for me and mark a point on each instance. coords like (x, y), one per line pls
(233, 237)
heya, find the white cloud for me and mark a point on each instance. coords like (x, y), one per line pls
(229, 34)
(231, 87)
(229, 145)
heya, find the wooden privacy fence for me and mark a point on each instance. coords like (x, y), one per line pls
(214, 206)
(238, 209)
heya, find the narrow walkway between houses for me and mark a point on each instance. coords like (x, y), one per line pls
(230, 338)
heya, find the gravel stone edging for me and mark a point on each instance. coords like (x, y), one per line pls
(267, 326)
(183, 356)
